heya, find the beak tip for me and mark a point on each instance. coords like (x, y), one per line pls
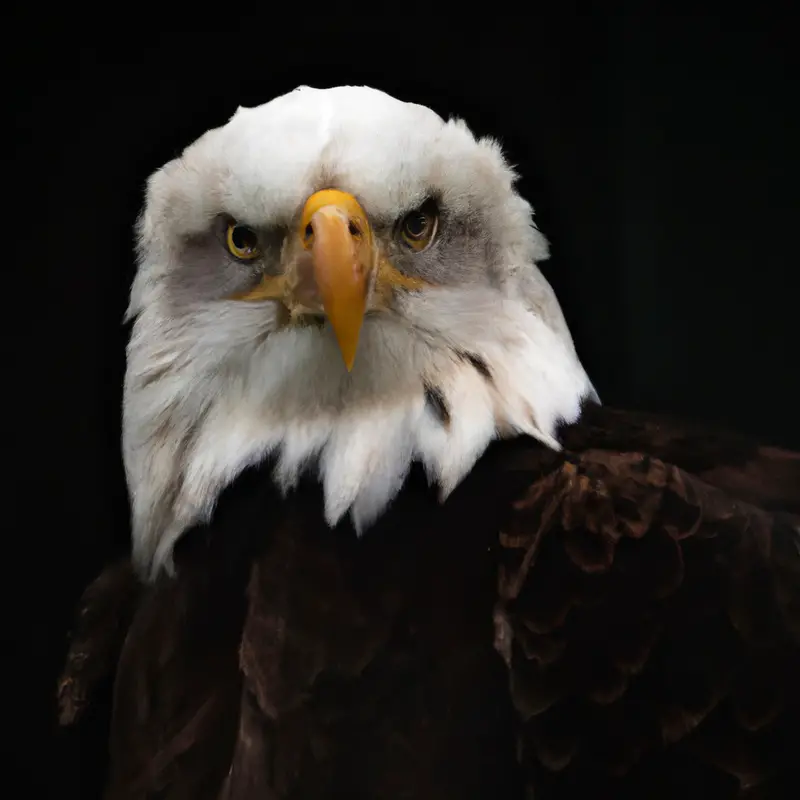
(349, 360)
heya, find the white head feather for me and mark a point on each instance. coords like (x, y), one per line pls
(214, 385)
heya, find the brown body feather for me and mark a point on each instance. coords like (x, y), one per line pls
(621, 618)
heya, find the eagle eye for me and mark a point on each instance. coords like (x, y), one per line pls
(242, 242)
(418, 227)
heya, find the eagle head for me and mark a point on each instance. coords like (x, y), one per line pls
(347, 283)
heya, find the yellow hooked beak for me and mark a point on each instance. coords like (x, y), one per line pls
(331, 263)
(336, 231)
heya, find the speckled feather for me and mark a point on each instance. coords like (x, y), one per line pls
(621, 619)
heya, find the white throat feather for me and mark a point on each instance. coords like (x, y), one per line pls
(196, 416)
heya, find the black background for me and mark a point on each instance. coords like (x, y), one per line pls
(659, 150)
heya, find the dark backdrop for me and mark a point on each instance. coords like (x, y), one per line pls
(660, 151)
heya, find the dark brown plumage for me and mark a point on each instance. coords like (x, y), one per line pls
(620, 619)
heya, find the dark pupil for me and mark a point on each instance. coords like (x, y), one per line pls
(243, 238)
(416, 224)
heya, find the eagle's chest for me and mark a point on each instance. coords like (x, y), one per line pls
(368, 665)
(371, 662)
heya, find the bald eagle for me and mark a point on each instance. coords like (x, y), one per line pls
(386, 541)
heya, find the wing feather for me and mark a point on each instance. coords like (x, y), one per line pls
(650, 624)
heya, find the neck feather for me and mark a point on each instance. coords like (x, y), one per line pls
(196, 415)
